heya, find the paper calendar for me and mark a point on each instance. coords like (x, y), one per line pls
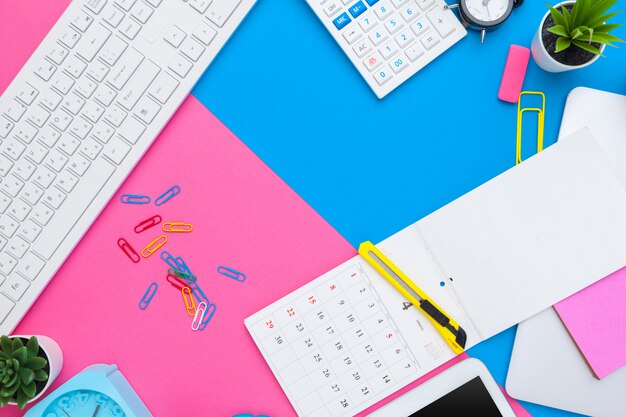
(509, 249)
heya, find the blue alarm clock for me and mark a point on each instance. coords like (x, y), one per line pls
(97, 391)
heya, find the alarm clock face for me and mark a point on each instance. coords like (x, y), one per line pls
(486, 13)
(84, 404)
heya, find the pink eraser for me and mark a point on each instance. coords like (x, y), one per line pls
(514, 73)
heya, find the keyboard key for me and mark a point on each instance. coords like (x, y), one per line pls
(14, 110)
(42, 214)
(204, 33)
(51, 100)
(6, 305)
(5, 165)
(378, 36)
(76, 203)
(67, 181)
(373, 61)
(8, 226)
(113, 50)
(425, 4)
(29, 230)
(115, 116)
(410, 13)
(368, 21)
(341, 21)
(388, 50)
(92, 42)
(352, 35)
(393, 25)
(105, 95)
(98, 70)
(103, 132)
(399, 63)
(68, 144)
(69, 37)
(12, 148)
(24, 169)
(36, 152)
(62, 83)
(17, 247)
(125, 68)
(116, 150)
(26, 132)
(85, 87)
(30, 266)
(95, 5)
(44, 177)
(58, 54)
(56, 160)
(5, 201)
(383, 10)
(93, 111)
(404, 38)
(174, 36)
(398, 3)
(141, 11)
(130, 28)
(38, 116)
(430, 40)
(54, 197)
(357, 9)
(61, 120)
(45, 70)
(82, 21)
(362, 48)
(200, 5)
(138, 84)
(113, 16)
(79, 165)
(80, 128)
(147, 109)
(441, 22)
(154, 3)
(131, 130)
(27, 93)
(48, 136)
(31, 193)
(220, 10)
(19, 209)
(6, 126)
(163, 87)
(15, 286)
(73, 103)
(180, 65)
(125, 4)
(191, 49)
(90, 148)
(75, 66)
(331, 8)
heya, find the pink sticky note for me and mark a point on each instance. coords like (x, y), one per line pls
(514, 73)
(596, 319)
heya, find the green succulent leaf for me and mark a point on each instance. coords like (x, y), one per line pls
(13, 380)
(33, 347)
(9, 392)
(4, 401)
(41, 375)
(5, 344)
(587, 47)
(26, 375)
(558, 18)
(15, 363)
(562, 44)
(21, 354)
(16, 344)
(22, 399)
(29, 389)
(559, 31)
(3, 356)
(35, 363)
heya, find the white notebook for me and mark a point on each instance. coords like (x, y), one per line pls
(514, 246)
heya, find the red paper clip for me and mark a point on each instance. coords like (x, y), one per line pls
(148, 223)
(128, 250)
(176, 282)
(153, 246)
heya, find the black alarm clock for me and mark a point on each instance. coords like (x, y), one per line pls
(484, 15)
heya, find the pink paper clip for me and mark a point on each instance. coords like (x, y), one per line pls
(148, 223)
(199, 316)
(128, 250)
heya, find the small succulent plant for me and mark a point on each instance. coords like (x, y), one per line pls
(20, 368)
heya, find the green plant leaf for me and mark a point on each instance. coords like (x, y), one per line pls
(29, 389)
(609, 27)
(9, 392)
(5, 343)
(4, 401)
(562, 44)
(559, 31)
(22, 399)
(33, 347)
(568, 18)
(600, 20)
(3, 356)
(35, 363)
(558, 18)
(16, 344)
(21, 354)
(26, 375)
(601, 6)
(576, 33)
(587, 47)
(41, 375)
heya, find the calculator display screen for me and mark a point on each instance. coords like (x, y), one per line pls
(470, 399)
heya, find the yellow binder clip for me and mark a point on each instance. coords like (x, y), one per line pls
(540, 122)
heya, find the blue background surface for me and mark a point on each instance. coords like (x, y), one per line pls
(372, 167)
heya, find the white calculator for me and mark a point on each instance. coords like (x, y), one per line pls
(390, 40)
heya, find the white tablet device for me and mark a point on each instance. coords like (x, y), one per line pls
(465, 389)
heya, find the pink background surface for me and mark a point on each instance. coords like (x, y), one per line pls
(595, 318)
(244, 216)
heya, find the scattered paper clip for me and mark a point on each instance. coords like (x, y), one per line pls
(147, 224)
(231, 273)
(153, 246)
(540, 123)
(177, 227)
(190, 305)
(199, 316)
(135, 199)
(183, 266)
(176, 282)
(208, 315)
(148, 296)
(128, 250)
(167, 196)
(198, 293)
(169, 259)
(180, 274)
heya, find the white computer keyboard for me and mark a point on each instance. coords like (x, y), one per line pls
(79, 116)
(390, 40)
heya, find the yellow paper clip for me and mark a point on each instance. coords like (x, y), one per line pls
(177, 227)
(153, 246)
(190, 305)
(540, 122)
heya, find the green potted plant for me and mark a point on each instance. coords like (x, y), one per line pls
(28, 366)
(574, 34)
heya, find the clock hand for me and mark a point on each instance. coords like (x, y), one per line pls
(95, 413)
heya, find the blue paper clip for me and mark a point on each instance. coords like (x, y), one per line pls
(208, 315)
(148, 296)
(135, 199)
(232, 273)
(182, 266)
(170, 259)
(197, 291)
(167, 196)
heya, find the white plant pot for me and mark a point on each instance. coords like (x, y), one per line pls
(55, 360)
(544, 60)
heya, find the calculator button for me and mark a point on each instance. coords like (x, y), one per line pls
(357, 9)
(378, 36)
(362, 48)
(393, 25)
(388, 50)
(342, 21)
(425, 4)
(331, 8)
(352, 35)
(419, 27)
(383, 10)
(382, 76)
(368, 21)
(409, 13)
(371, 2)
(404, 38)
(414, 51)
(441, 22)
(399, 3)
(430, 40)
(373, 61)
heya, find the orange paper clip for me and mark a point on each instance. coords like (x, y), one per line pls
(177, 227)
(190, 305)
(128, 250)
(148, 223)
(153, 246)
